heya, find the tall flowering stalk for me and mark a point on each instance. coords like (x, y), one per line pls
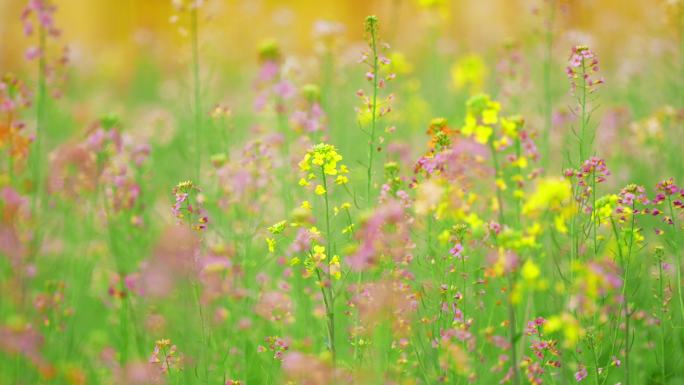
(481, 117)
(188, 208)
(662, 309)
(372, 30)
(117, 164)
(321, 164)
(581, 71)
(669, 192)
(582, 68)
(627, 212)
(586, 179)
(482, 123)
(43, 12)
(372, 108)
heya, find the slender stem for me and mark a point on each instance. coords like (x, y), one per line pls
(678, 256)
(465, 297)
(499, 196)
(331, 303)
(596, 363)
(596, 220)
(518, 154)
(200, 311)
(625, 294)
(512, 331)
(114, 249)
(37, 158)
(583, 117)
(374, 104)
(511, 308)
(197, 92)
(620, 258)
(661, 305)
(627, 336)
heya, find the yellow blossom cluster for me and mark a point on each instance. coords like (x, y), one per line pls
(323, 157)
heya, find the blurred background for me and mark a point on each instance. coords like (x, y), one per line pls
(129, 56)
(106, 36)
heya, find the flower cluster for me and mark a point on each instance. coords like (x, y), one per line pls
(383, 237)
(278, 345)
(546, 354)
(317, 260)
(166, 356)
(43, 13)
(592, 172)
(245, 177)
(322, 159)
(469, 72)
(310, 117)
(482, 114)
(272, 87)
(188, 206)
(14, 97)
(583, 65)
(379, 74)
(670, 192)
(627, 200)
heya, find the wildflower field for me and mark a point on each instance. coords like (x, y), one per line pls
(389, 192)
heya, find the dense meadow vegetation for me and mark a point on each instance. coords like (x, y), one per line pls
(352, 214)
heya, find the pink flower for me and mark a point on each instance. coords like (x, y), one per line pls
(457, 250)
(581, 374)
(583, 63)
(376, 240)
(32, 52)
(284, 89)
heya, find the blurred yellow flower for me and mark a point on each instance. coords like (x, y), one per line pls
(530, 271)
(469, 73)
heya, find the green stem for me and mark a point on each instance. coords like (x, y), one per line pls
(465, 279)
(518, 154)
(596, 363)
(37, 158)
(330, 306)
(200, 311)
(625, 294)
(499, 196)
(512, 331)
(661, 305)
(583, 117)
(196, 85)
(678, 255)
(596, 220)
(371, 143)
(511, 307)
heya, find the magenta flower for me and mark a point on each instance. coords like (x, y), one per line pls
(581, 374)
(457, 250)
(583, 64)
